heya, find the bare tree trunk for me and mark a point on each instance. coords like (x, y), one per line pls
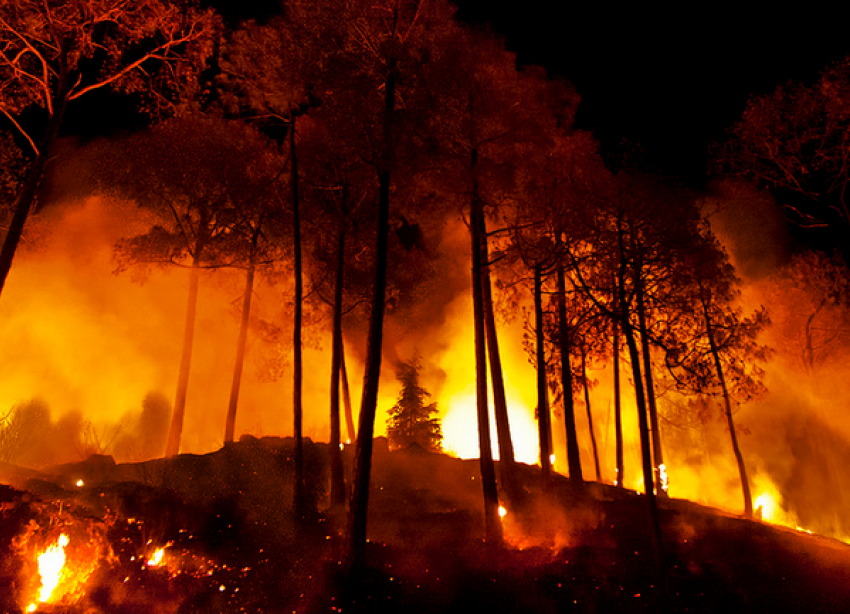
(492, 523)
(544, 429)
(590, 414)
(500, 403)
(172, 447)
(727, 407)
(658, 468)
(573, 455)
(230, 422)
(346, 394)
(354, 557)
(643, 426)
(618, 410)
(337, 472)
(300, 495)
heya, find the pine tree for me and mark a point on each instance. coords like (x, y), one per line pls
(411, 418)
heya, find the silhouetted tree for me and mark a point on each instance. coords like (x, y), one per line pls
(795, 140)
(196, 211)
(53, 53)
(411, 419)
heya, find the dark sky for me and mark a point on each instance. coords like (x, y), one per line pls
(669, 80)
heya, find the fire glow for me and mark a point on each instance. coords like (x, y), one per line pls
(50, 565)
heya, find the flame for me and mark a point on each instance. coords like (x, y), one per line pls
(50, 564)
(502, 511)
(156, 558)
(460, 429)
(765, 506)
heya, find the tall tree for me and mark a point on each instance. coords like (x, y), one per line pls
(713, 348)
(258, 229)
(196, 212)
(55, 52)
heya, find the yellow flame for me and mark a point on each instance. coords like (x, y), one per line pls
(156, 557)
(460, 429)
(502, 511)
(50, 564)
(765, 506)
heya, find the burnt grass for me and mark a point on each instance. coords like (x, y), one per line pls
(234, 545)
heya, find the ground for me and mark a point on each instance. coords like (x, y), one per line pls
(225, 524)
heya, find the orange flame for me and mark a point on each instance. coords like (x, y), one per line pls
(50, 565)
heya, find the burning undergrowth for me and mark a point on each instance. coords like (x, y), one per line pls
(198, 534)
(215, 533)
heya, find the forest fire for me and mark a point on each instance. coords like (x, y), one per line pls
(50, 567)
(60, 568)
(349, 200)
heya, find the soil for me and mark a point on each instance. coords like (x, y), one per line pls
(232, 543)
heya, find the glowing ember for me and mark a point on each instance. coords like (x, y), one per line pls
(502, 511)
(80, 483)
(50, 564)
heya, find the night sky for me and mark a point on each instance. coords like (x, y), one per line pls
(670, 81)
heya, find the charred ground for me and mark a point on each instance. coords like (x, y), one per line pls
(232, 545)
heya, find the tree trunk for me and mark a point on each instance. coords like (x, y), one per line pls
(727, 407)
(492, 523)
(337, 472)
(618, 410)
(355, 554)
(507, 461)
(27, 194)
(643, 427)
(658, 468)
(573, 455)
(346, 394)
(543, 427)
(590, 414)
(172, 447)
(300, 495)
(500, 403)
(230, 423)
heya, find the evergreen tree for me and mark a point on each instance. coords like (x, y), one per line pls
(411, 418)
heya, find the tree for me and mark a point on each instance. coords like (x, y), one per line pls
(809, 299)
(411, 419)
(259, 226)
(56, 51)
(795, 140)
(193, 174)
(713, 344)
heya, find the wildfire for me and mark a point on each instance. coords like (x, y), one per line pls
(156, 558)
(460, 428)
(50, 564)
(765, 506)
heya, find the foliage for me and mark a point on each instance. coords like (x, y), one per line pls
(57, 51)
(411, 418)
(810, 306)
(795, 140)
(206, 182)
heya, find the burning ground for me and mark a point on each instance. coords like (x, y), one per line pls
(214, 533)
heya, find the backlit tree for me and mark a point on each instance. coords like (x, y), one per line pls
(412, 419)
(53, 52)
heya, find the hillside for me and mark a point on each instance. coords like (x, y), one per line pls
(223, 521)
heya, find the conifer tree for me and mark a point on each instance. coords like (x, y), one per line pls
(412, 417)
